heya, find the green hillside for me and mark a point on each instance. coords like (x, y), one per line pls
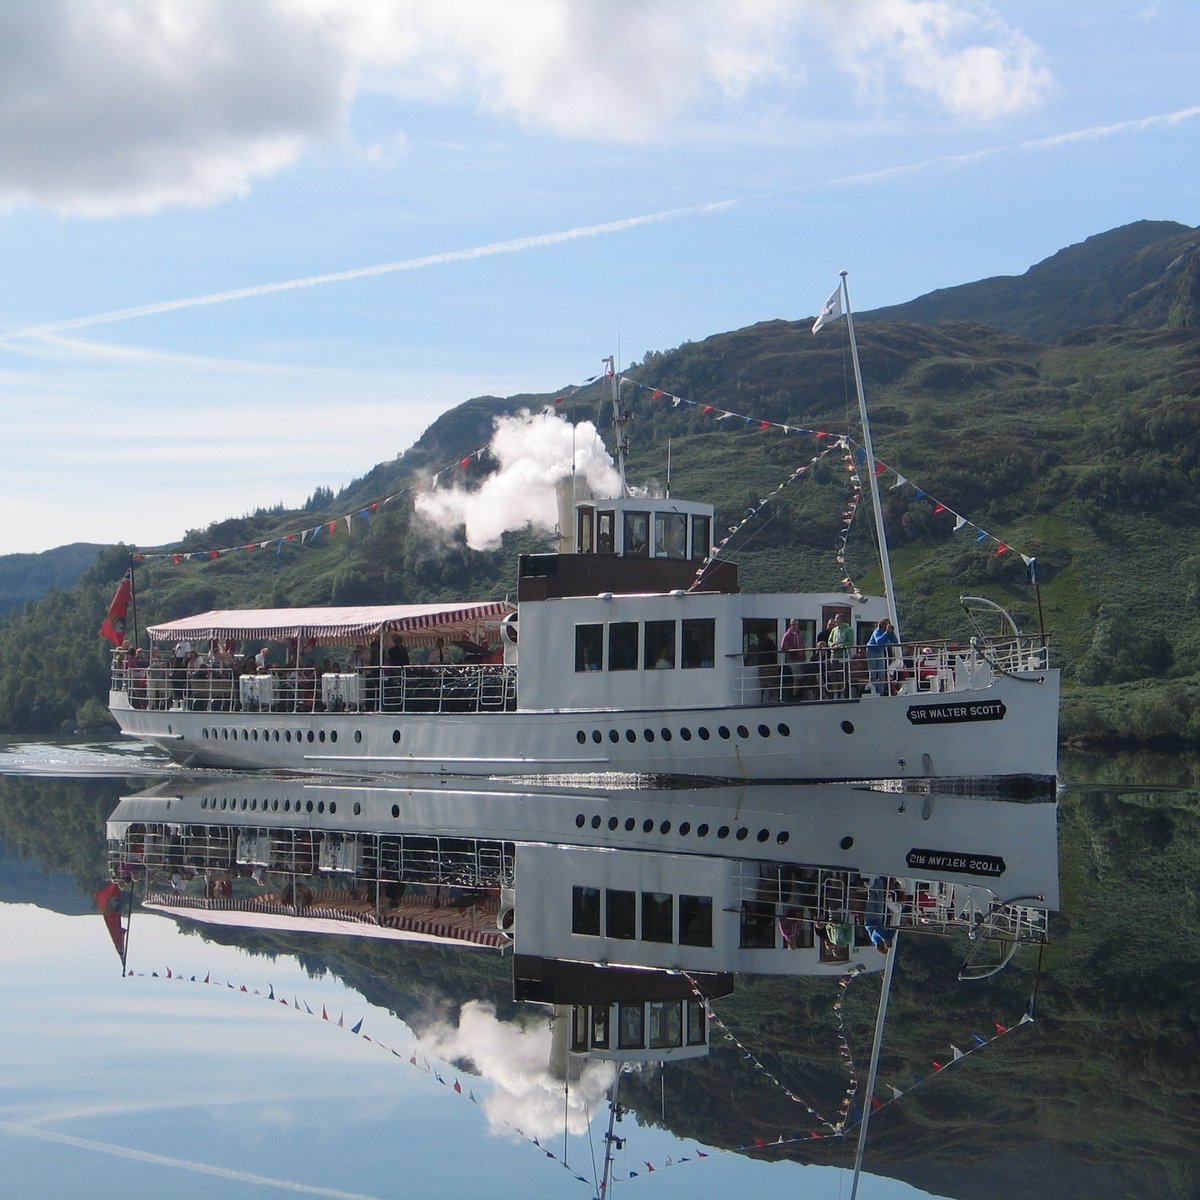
(1081, 448)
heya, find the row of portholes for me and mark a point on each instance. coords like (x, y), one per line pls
(274, 735)
(229, 804)
(739, 833)
(685, 734)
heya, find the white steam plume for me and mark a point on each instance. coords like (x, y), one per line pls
(536, 451)
(515, 1060)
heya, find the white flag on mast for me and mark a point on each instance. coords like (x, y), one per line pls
(831, 310)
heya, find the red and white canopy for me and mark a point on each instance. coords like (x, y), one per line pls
(332, 626)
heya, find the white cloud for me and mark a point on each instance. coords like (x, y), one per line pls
(958, 54)
(115, 106)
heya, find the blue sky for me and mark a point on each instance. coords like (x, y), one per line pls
(475, 198)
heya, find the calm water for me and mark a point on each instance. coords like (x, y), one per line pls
(233, 1061)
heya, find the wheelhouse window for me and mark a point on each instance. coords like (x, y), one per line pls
(606, 531)
(585, 528)
(699, 642)
(579, 1028)
(620, 914)
(695, 920)
(670, 535)
(637, 534)
(658, 911)
(600, 1027)
(666, 1023)
(585, 910)
(697, 1023)
(631, 1023)
(589, 647)
(701, 536)
(623, 646)
(659, 646)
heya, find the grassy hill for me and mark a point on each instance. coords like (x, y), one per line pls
(1058, 411)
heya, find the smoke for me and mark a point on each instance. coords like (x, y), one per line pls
(535, 452)
(515, 1060)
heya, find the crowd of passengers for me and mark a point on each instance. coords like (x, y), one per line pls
(835, 667)
(188, 671)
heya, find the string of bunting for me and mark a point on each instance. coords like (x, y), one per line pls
(881, 468)
(415, 1056)
(850, 1115)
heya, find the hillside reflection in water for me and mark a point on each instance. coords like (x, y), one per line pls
(1095, 1097)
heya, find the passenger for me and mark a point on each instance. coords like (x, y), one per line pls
(397, 655)
(792, 648)
(882, 638)
(440, 654)
(841, 640)
(262, 660)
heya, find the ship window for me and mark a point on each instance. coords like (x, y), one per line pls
(695, 920)
(620, 914)
(630, 1027)
(585, 910)
(670, 535)
(584, 529)
(666, 1023)
(623, 646)
(637, 534)
(758, 925)
(658, 911)
(579, 1028)
(701, 536)
(660, 646)
(699, 642)
(697, 1024)
(600, 1028)
(606, 536)
(589, 647)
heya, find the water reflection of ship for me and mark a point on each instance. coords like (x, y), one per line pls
(624, 909)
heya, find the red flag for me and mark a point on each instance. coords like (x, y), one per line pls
(115, 625)
(657, 393)
(1000, 1028)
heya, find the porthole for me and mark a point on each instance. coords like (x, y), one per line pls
(630, 824)
(597, 736)
(685, 827)
(254, 735)
(308, 806)
(613, 736)
(581, 737)
(320, 736)
(666, 735)
(702, 829)
(356, 809)
(222, 803)
(596, 821)
(723, 730)
(333, 735)
(333, 806)
(764, 835)
(702, 733)
(224, 735)
(245, 735)
(647, 826)
(847, 727)
(764, 731)
(287, 735)
(665, 827)
(357, 736)
(320, 806)
(312, 737)
(783, 837)
(580, 820)
(686, 734)
(253, 805)
(784, 730)
(613, 822)
(648, 734)
(274, 805)
(287, 806)
(742, 731)
(742, 833)
(630, 735)
(723, 831)
(395, 737)
(396, 810)
(846, 843)
(206, 735)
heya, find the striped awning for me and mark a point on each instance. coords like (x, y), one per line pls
(330, 626)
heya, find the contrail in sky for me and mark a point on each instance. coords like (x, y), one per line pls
(146, 1156)
(1095, 133)
(408, 264)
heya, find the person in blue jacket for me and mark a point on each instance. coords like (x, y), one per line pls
(882, 636)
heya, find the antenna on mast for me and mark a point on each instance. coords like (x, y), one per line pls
(620, 419)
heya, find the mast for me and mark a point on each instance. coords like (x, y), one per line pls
(885, 561)
(619, 420)
(876, 1044)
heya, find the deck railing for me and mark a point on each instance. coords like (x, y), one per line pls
(484, 687)
(770, 677)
